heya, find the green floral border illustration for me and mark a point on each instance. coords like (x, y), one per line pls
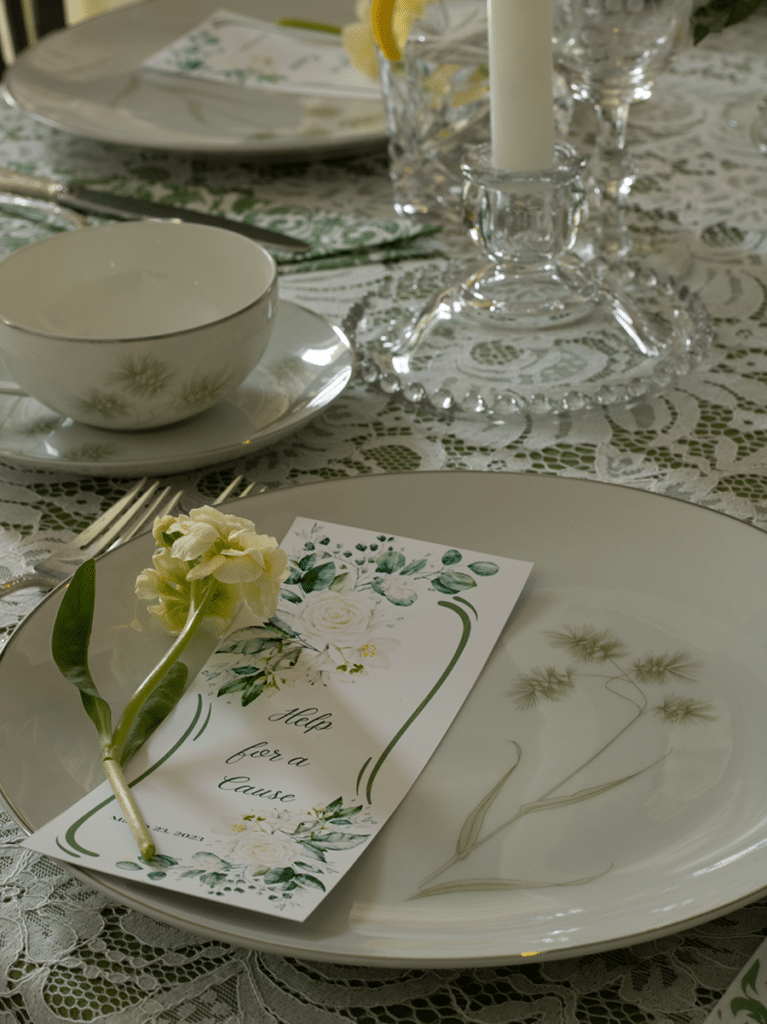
(624, 679)
(280, 857)
(349, 590)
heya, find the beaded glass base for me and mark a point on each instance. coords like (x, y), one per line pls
(528, 328)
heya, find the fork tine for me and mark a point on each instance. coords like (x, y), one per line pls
(116, 529)
(152, 512)
(91, 532)
(228, 490)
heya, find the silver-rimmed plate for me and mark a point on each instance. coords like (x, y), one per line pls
(603, 782)
(88, 80)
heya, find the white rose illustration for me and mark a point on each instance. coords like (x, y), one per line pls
(341, 619)
(268, 850)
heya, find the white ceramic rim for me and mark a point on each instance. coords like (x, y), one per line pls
(61, 240)
(558, 518)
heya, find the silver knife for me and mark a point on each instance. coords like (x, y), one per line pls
(106, 204)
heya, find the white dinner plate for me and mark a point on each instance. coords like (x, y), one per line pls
(307, 363)
(87, 79)
(629, 689)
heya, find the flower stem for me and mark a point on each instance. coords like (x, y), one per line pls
(128, 806)
(197, 611)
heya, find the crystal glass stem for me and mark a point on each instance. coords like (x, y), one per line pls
(611, 177)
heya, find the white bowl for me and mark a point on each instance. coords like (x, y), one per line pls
(136, 324)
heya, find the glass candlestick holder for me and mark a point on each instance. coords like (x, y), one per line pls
(524, 326)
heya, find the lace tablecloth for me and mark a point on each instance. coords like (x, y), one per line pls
(66, 953)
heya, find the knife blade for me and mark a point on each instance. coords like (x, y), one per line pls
(106, 204)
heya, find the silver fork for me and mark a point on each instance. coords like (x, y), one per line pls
(119, 523)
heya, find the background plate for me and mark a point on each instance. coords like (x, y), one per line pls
(87, 79)
(667, 604)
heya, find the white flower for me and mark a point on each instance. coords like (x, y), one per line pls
(168, 585)
(344, 664)
(226, 548)
(327, 617)
(398, 588)
(268, 849)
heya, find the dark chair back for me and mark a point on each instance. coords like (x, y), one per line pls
(23, 22)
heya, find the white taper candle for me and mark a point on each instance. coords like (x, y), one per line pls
(521, 84)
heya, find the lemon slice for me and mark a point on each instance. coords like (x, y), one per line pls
(381, 15)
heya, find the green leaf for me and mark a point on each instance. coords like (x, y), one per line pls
(240, 683)
(756, 1011)
(484, 568)
(472, 827)
(338, 840)
(212, 878)
(413, 567)
(288, 595)
(279, 876)
(309, 882)
(307, 562)
(128, 865)
(318, 578)
(452, 582)
(452, 557)
(390, 561)
(719, 14)
(154, 710)
(71, 639)
(162, 860)
(253, 691)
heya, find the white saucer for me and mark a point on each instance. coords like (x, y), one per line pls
(307, 363)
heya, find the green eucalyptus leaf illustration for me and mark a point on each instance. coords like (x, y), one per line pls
(452, 582)
(155, 710)
(340, 582)
(318, 578)
(484, 568)
(390, 561)
(70, 641)
(288, 595)
(279, 876)
(309, 882)
(452, 557)
(252, 640)
(128, 865)
(294, 576)
(307, 562)
(211, 861)
(212, 878)
(312, 849)
(338, 840)
(414, 567)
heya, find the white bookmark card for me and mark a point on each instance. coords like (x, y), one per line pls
(300, 737)
(237, 50)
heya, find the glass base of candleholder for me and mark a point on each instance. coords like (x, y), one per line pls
(633, 343)
(528, 327)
